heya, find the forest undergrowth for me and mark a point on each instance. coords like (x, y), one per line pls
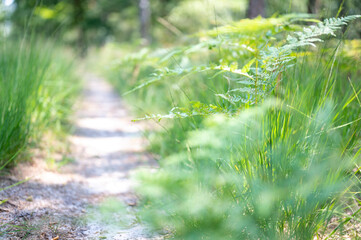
(260, 124)
(38, 87)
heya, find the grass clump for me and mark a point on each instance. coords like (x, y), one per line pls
(264, 136)
(245, 179)
(37, 90)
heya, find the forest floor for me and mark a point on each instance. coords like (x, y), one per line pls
(83, 199)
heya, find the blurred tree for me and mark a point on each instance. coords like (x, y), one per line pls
(256, 8)
(78, 21)
(82, 23)
(313, 6)
(145, 18)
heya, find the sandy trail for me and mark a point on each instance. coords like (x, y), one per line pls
(72, 203)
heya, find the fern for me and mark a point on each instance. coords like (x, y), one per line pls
(274, 60)
(197, 109)
(311, 34)
(251, 84)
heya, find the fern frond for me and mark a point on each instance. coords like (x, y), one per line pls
(196, 109)
(276, 60)
(310, 35)
(263, 67)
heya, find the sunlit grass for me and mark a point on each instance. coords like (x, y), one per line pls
(37, 90)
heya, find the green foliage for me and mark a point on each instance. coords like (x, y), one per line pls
(37, 91)
(194, 16)
(264, 64)
(245, 179)
(235, 164)
(102, 21)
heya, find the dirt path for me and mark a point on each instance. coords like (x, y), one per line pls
(82, 201)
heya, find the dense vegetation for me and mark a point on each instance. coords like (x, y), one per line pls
(37, 88)
(257, 121)
(263, 139)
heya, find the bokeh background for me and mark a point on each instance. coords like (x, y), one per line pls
(86, 23)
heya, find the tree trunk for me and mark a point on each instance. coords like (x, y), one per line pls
(313, 6)
(78, 21)
(256, 8)
(144, 17)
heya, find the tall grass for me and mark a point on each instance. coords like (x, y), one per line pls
(264, 136)
(245, 178)
(273, 172)
(37, 89)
